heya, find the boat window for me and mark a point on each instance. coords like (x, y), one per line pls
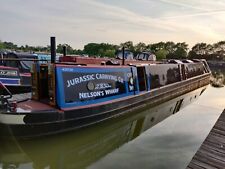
(142, 78)
(155, 82)
(26, 64)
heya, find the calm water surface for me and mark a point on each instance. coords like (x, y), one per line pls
(173, 142)
(114, 144)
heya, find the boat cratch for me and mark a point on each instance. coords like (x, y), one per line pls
(67, 96)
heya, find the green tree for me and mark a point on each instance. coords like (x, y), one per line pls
(10, 45)
(170, 46)
(102, 49)
(128, 45)
(2, 46)
(110, 53)
(91, 49)
(69, 49)
(202, 50)
(78, 52)
(179, 51)
(161, 54)
(157, 46)
(140, 47)
(219, 50)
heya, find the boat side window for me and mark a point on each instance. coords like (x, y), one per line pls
(25, 65)
(142, 78)
(155, 81)
(195, 69)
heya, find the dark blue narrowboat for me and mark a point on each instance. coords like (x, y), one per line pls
(15, 71)
(71, 96)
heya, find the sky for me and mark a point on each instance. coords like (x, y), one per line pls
(78, 22)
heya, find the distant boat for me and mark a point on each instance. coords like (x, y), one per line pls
(15, 71)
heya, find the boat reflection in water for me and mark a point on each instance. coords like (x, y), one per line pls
(81, 148)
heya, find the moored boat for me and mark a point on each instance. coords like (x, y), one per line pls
(15, 71)
(71, 96)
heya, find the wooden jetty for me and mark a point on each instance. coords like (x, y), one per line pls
(211, 154)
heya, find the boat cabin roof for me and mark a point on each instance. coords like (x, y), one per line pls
(21, 55)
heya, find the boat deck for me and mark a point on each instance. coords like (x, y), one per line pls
(211, 154)
(21, 97)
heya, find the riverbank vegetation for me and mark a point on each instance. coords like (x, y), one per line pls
(162, 50)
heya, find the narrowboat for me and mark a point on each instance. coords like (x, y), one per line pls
(15, 71)
(121, 57)
(68, 96)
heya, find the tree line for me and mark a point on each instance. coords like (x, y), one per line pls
(162, 50)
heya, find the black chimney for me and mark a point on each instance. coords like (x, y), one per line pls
(123, 56)
(64, 50)
(53, 50)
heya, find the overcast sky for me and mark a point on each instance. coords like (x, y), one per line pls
(78, 22)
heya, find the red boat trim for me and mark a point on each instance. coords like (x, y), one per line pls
(93, 66)
(6, 67)
(25, 74)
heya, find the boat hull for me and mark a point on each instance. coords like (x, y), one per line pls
(27, 124)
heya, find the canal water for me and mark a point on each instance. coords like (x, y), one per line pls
(134, 141)
(173, 142)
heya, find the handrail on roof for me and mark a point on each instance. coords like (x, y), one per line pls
(14, 59)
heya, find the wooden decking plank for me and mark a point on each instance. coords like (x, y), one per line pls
(218, 131)
(217, 145)
(213, 143)
(211, 154)
(210, 161)
(198, 163)
(219, 124)
(214, 148)
(192, 165)
(215, 138)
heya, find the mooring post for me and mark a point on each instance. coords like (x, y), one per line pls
(53, 49)
(123, 63)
